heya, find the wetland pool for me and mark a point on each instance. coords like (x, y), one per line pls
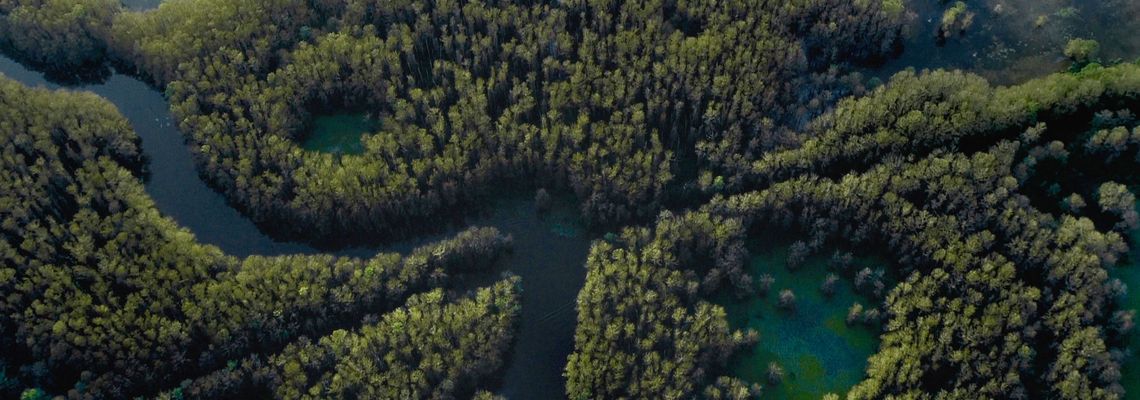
(818, 350)
(339, 133)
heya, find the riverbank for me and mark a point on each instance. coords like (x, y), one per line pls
(549, 249)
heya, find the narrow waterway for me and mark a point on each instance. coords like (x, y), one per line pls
(1007, 41)
(549, 251)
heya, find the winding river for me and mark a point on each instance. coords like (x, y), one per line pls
(549, 251)
(1012, 41)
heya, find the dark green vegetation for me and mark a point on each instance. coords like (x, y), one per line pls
(141, 5)
(478, 94)
(998, 296)
(643, 329)
(59, 35)
(1001, 213)
(104, 297)
(426, 349)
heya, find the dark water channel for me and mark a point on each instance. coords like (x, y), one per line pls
(549, 251)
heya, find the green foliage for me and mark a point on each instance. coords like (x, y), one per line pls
(731, 388)
(34, 394)
(1082, 51)
(775, 373)
(156, 42)
(987, 272)
(643, 331)
(602, 98)
(1000, 296)
(920, 113)
(57, 34)
(428, 348)
(476, 94)
(1116, 199)
(1113, 143)
(104, 297)
(955, 19)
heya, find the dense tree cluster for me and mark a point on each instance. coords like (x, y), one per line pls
(1002, 207)
(1117, 200)
(428, 348)
(643, 329)
(999, 298)
(58, 35)
(154, 44)
(102, 297)
(918, 113)
(605, 98)
(1113, 143)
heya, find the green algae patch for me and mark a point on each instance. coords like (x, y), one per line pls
(339, 133)
(141, 5)
(1129, 273)
(818, 351)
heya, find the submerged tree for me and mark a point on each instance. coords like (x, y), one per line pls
(775, 373)
(828, 285)
(787, 300)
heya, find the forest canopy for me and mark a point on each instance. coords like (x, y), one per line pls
(550, 94)
(1001, 296)
(684, 129)
(103, 297)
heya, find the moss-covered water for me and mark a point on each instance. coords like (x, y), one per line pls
(141, 5)
(339, 133)
(1129, 273)
(818, 351)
